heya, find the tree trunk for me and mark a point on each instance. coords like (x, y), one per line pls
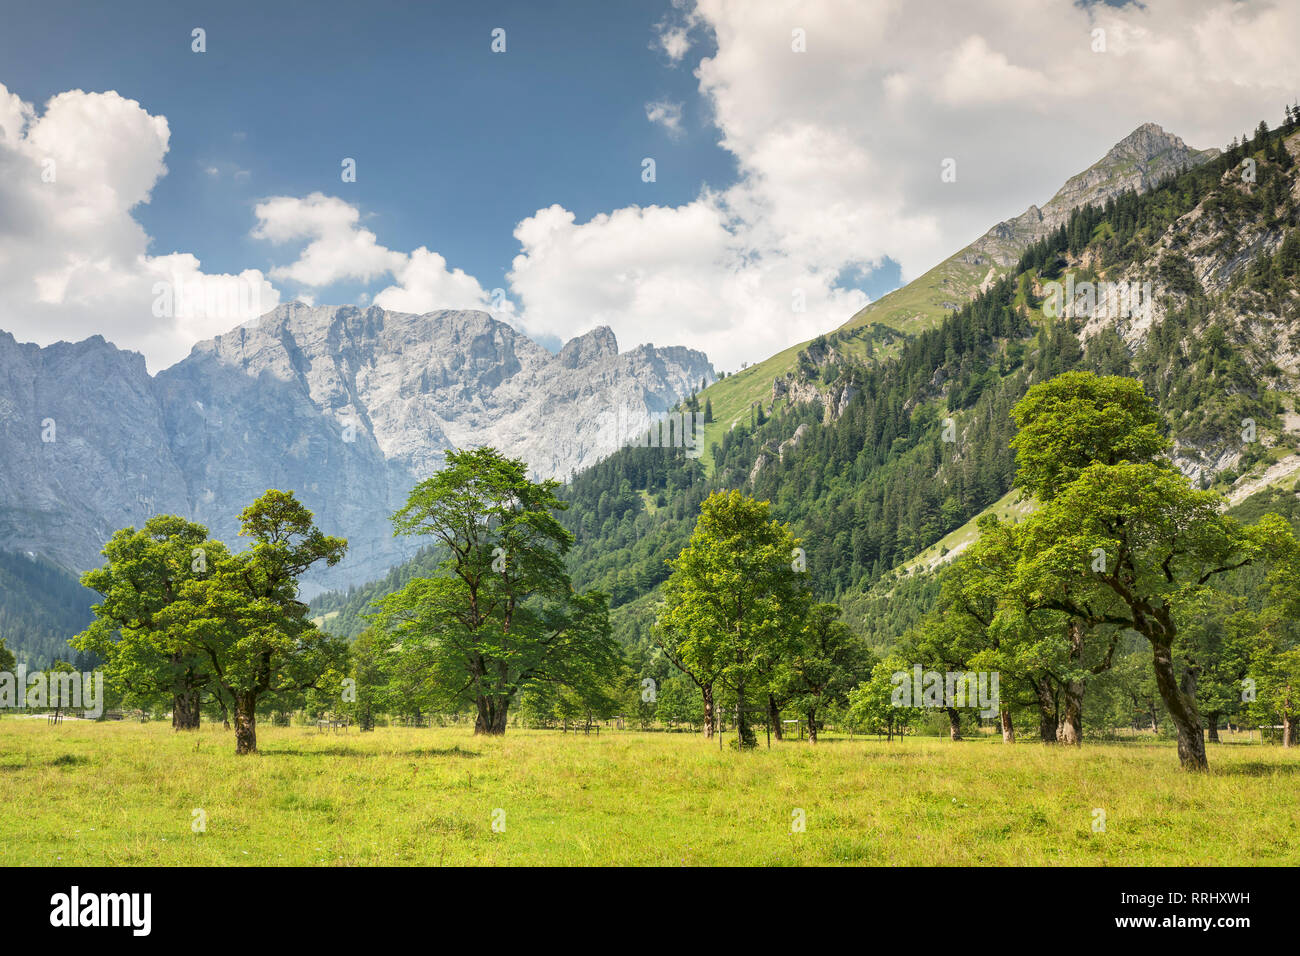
(744, 733)
(774, 717)
(1288, 720)
(245, 723)
(1182, 711)
(1046, 710)
(185, 710)
(1008, 731)
(1070, 728)
(812, 725)
(954, 723)
(490, 719)
(1212, 721)
(706, 691)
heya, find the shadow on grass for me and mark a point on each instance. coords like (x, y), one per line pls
(350, 752)
(1257, 769)
(62, 760)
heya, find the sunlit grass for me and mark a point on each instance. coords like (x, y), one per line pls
(125, 794)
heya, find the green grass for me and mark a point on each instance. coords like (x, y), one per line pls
(1008, 507)
(925, 302)
(84, 794)
(732, 396)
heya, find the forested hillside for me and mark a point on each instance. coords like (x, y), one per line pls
(874, 459)
(41, 606)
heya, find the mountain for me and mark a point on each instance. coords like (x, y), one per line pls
(347, 407)
(880, 442)
(1145, 157)
(884, 444)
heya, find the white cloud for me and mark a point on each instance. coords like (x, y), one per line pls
(838, 151)
(667, 114)
(339, 250)
(74, 261)
(669, 275)
(424, 283)
(977, 74)
(840, 148)
(673, 40)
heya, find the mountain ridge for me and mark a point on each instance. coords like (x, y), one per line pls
(1145, 156)
(348, 407)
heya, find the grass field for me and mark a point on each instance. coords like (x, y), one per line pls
(124, 794)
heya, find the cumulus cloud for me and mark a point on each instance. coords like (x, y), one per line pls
(338, 249)
(840, 149)
(73, 260)
(669, 275)
(425, 283)
(839, 141)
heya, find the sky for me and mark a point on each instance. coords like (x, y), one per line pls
(729, 175)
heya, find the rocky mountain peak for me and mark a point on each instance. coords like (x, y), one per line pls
(590, 347)
(1139, 161)
(346, 406)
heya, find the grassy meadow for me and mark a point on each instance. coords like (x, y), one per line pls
(86, 794)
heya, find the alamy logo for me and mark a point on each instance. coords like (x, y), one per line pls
(619, 428)
(102, 909)
(232, 298)
(949, 689)
(68, 690)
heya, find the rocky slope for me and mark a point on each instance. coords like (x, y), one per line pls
(1146, 156)
(1141, 159)
(347, 407)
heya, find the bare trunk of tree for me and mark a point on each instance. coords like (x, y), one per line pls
(706, 691)
(1008, 731)
(812, 725)
(245, 723)
(1182, 710)
(744, 733)
(954, 723)
(1288, 720)
(1212, 721)
(490, 717)
(1046, 710)
(1070, 728)
(225, 712)
(774, 717)
(185, 710)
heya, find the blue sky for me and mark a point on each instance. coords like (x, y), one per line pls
(797, 143)
(454, 144)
